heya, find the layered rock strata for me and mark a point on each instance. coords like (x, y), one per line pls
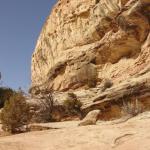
(85, 41)
(96, 49)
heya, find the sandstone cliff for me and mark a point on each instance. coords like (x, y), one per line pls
(97, 49)
(86, 41)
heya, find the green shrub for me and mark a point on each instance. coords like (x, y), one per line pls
(72, 105)
(15, 114)
(5, 94)
(107, 83)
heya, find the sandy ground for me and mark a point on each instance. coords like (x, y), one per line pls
(133, 134)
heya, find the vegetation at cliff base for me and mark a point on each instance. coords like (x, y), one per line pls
(15, 114)
(5, 94)
(72, 105)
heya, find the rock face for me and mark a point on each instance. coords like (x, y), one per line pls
(85, 42)
(98, 50)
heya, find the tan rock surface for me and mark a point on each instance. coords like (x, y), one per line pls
(91, 118)
(86, 41)
(133, 134)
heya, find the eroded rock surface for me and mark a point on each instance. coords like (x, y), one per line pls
(86, 41)
(98, 50)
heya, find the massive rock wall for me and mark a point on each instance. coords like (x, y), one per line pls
(84, 42)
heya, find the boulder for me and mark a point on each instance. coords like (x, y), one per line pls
(91, 118)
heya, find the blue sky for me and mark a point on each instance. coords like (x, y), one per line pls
(20, 24)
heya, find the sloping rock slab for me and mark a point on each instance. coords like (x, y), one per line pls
(133, 134)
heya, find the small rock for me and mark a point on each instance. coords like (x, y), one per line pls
(91, 118)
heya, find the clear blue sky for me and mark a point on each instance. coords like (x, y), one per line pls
(20, 24)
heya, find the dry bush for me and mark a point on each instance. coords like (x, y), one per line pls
(131, 107)
(15, 114)
(5, 94)
(46, 107)
(107, 83)
(72, 105)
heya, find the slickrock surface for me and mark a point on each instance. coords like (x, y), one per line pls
(84, 42)
(132, 134)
